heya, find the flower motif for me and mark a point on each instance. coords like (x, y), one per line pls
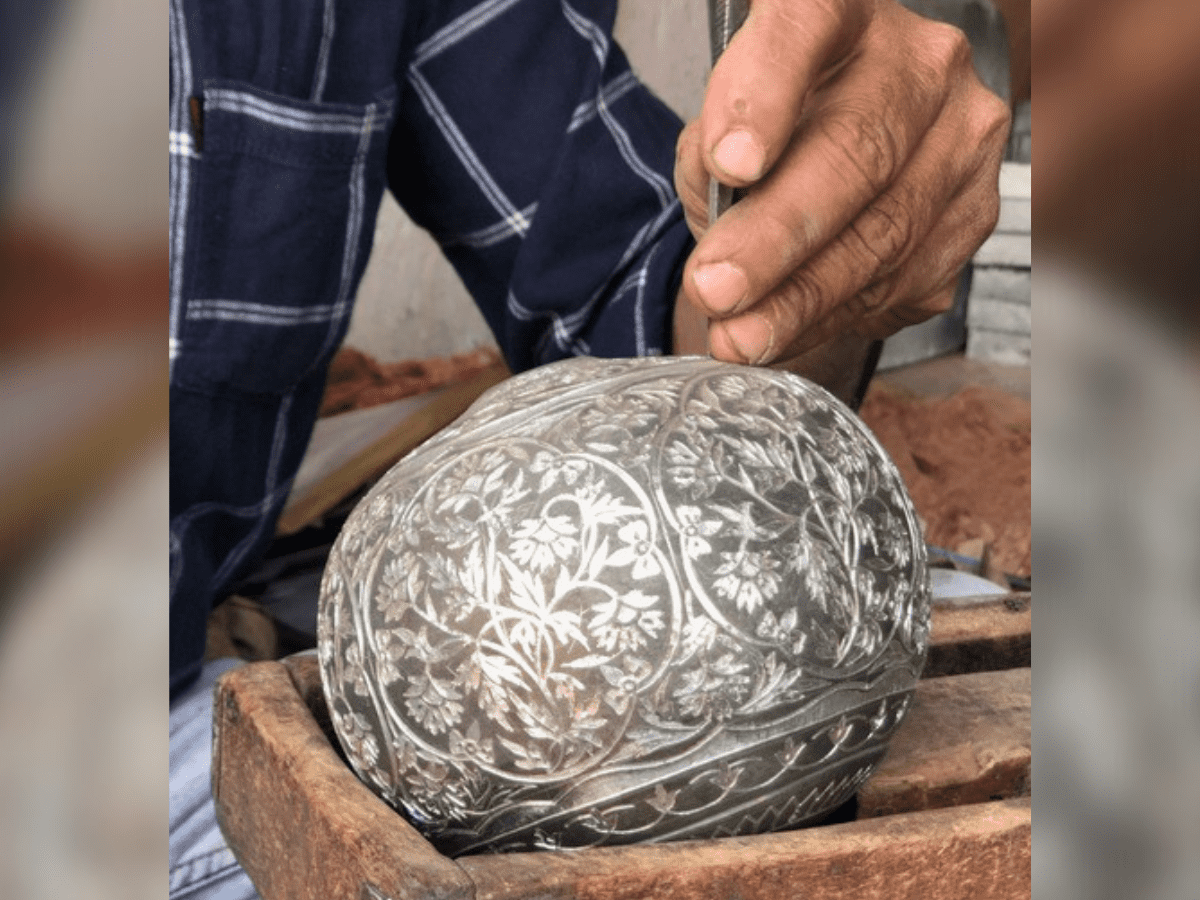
(714, 689)
(747, 578)
(356, 735)
(692, 471)
(471, 745)
(784, 632)
(694, 530)
(354, 673)
(638, 550)
(538, 542)
(555, 466)
(433, 702)
(625, 622)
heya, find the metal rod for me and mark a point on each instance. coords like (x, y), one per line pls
(724, 18)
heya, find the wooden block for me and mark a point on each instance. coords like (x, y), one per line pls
(303, 826)
(966, 739)
(979, 851)
(987, 636)
(1016, 216)
(991, 313)
(993, 281)
(1016, 180)
(1000, 249)
(296, 817)
(1001, 347)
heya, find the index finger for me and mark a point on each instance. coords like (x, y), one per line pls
(757, 88)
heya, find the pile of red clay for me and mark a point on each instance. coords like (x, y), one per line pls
(357, 381)
(966, 462)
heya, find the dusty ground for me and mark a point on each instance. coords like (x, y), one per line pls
(966, 461)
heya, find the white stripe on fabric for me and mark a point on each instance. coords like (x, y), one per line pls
(327, 28)
(592, 32)
(611, 92)
(354, 223)
(639, 306)
(180, 143)
(179, 164)
(257, 313)
(646, 235)
(565, 329)
(493, 234)
(457, 30)
(181, 523)
(270, 487)
(285, 116)
(555, 327)
(458, 143)
(588, 30)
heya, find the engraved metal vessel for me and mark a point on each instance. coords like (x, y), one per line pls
(623, 601)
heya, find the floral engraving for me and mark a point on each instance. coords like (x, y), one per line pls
(616, 567)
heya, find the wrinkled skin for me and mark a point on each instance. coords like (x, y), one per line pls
(871, 153)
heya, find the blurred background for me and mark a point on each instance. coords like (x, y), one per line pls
(83, 462)
(83, 477)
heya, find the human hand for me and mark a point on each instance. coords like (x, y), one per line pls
(871, 152)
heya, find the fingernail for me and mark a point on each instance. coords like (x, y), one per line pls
(740, 155)
(751, 336)
(722, 286)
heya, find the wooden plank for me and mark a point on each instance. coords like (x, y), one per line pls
(1016, 180)
(1001, 347)
(363, 465)
(979, 851)
(1000, 314)
(303, 825)
(1016, 216)
(1013, 250)
(1008, 284)
(987, 636)
(966, 739)
(296, 817)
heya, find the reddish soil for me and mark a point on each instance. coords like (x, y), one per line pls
(357, 381)
(966, 461)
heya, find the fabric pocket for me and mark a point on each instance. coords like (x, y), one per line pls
(282, 202)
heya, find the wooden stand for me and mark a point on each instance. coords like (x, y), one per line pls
(946, 815)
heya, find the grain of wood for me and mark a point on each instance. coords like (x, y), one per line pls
(966, 739)
(981, 637)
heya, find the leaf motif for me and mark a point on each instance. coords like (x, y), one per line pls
(498, 669)
(591, 661)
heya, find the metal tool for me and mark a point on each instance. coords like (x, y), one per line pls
(724, 18)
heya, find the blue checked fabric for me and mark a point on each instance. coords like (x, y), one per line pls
(512, 130)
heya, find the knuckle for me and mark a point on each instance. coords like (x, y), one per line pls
(947, 47)
(864, 143)
(801, 300)
(884, 231)
(876, 296)
(994, 119)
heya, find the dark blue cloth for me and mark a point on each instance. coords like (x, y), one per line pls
(512, 130)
